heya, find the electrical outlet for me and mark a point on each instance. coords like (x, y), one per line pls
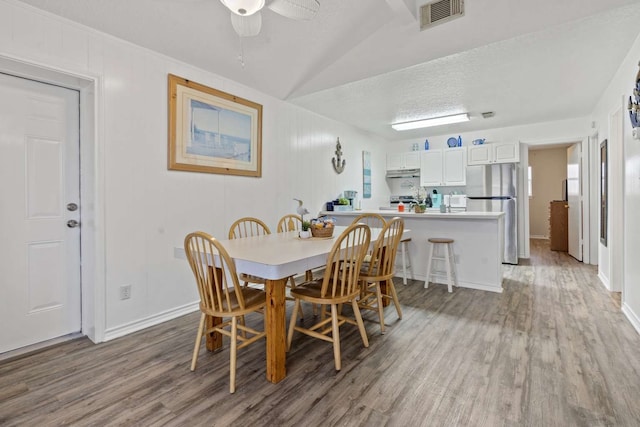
(125, 291)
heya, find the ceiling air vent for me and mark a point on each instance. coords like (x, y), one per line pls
(440, 11)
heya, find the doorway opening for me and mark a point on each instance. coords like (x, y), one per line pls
(550, 181)
(92, 281)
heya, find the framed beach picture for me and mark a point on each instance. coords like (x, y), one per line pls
(212, 131)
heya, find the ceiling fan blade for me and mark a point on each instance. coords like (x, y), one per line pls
(247, 26)
(301, 10)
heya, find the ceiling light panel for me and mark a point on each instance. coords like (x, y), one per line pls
(435, 121)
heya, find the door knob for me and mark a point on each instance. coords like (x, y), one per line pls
(72, 207)
(72, 223)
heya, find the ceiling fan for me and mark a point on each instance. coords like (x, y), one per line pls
(246, 17)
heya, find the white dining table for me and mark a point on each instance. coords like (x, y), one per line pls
(275, 257)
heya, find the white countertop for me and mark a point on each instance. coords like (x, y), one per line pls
(426, 215)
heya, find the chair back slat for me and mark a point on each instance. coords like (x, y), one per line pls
(373, 220)
(218, 285)
(385, 248)
(344, 262)
(248, 227)
(290, 222)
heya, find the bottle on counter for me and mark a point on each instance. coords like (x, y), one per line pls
(400, 207)
(426, 144)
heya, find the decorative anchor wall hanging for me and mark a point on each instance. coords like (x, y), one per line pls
(337, 165)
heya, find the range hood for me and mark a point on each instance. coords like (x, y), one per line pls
(403, 173)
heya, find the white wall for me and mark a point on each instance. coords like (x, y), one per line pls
(624, 160)
(147, 209)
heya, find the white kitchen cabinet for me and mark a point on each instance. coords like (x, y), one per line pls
(443, 167)
(499, 152)
(399, 161)
(431, 168)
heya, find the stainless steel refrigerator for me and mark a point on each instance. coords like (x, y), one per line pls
(493, 188)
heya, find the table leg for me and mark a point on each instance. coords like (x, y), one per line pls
(275, 326)
(385, 291)
(213, 341)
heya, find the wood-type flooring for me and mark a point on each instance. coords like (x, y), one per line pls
(553, 349)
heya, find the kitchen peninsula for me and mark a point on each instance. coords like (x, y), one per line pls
(478, 246)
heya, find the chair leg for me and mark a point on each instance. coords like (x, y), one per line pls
(196, 348)
(447, 261)
(363, 331)
(392, 290)
(292, 285)
(404, 262)
(292, 323)
(429, 261)
(453, 265)
(242, 331)
(380, 307)
(335, 334)
(233, 351)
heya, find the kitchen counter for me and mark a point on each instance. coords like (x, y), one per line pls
(478, 246)
(426, 215)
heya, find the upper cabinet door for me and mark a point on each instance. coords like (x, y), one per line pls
(412, 160)
(409, 160)
(507, 152)
(454, 166)
(479, 155)
(394, 161)
(430, 168)
(502, 152)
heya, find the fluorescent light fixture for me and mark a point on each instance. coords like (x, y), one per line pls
(435, 121)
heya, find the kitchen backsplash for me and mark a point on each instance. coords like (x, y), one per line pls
(403, 186)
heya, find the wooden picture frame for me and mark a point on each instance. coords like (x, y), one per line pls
(212, 131)
(604, 182)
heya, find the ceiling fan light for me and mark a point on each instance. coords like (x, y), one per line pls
(247, 26)
(435, 121)
(243, 7)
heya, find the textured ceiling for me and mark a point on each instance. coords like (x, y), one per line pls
(365, 62)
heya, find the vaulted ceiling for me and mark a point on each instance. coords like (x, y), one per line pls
(367, 63)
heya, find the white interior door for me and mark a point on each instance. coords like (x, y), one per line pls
(39, 177)
(574, 178)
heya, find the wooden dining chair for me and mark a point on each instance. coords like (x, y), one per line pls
(293, 222)
(376, 277)
(338, 286)
(289, 222)
(248, 227)
(221, 297)
(373, 220)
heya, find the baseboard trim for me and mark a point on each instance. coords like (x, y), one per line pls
(634, 319)
(440, 280)
(604, 281)
(138, 325)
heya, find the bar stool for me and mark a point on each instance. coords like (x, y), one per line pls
(448, 259)
(406, 260)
